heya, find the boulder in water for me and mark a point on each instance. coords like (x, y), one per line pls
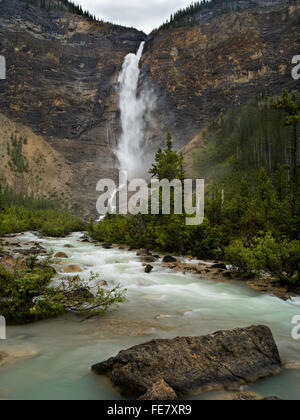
(148, 259)
(73, 269)
(169, 259)
(221, 360)
(142, 252)
(61, 255)
(220, 266)
(148, 269)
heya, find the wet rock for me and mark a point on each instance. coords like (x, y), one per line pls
(107, 246)
(142, 252)
(160, 391)
(103, 283)
(220, 266)
(69, 246)
(156, 257)
(218, 361)
(148, 269)
(14, 355)
(251, 396)
(169, 259)
(148, 259)
(73, 269)
(227, 274)
(30, 251)
(133, 248)
(61, 255)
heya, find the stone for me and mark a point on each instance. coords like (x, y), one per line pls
(61, 255)
(69, 246)
(159, 391)
(221, 360)
(142, 252)
(219, 266)
(103, 283)
(227, 274)
(107, 246)
(148, 259)
(148, 269)
(73, 269)
(169, 259)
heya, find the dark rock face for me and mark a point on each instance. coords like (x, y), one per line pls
(221, 360)
(226, 59)
(62, 72)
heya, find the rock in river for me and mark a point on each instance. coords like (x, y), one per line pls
(72, 269)
(221, 360)
(148, 269)
(61, 255)
(169, 259)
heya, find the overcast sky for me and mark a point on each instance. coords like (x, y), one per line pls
(141, 14)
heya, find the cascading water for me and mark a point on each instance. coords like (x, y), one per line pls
(131, 148)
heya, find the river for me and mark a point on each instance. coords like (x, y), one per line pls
(162, 304)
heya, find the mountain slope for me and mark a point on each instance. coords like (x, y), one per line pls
(62, 72)
(224, 59)
(61, 75)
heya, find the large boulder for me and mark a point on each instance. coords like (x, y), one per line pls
(221, 360)
(169, 259)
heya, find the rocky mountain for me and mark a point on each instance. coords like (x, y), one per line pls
(62, 72)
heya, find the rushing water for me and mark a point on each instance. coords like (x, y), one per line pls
(162, 304)
(134, 109)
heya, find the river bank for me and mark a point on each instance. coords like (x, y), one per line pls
(161, 305)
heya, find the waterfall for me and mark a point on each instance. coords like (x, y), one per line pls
(131, 146)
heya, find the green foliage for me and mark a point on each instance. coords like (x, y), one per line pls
(26, 294)
(186, 16)
(281, 258)
(169, 164)
(242, 141)
(63, 5)
(21, 213)
(18, 162)
(252, 209)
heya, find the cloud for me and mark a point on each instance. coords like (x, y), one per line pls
(145, 15)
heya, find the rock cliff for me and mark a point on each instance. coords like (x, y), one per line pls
(62, 72)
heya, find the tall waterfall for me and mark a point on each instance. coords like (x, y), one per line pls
(131, 147)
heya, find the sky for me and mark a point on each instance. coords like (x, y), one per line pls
(145, 15)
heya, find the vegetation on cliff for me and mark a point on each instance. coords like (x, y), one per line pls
(63, 5)
(186, 16)
(252, 218)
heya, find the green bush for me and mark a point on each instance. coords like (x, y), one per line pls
(280, 258)
(26, 294)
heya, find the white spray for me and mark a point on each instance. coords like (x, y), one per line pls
(131, 150)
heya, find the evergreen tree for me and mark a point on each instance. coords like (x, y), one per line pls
(169, 164)
(290, 105)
